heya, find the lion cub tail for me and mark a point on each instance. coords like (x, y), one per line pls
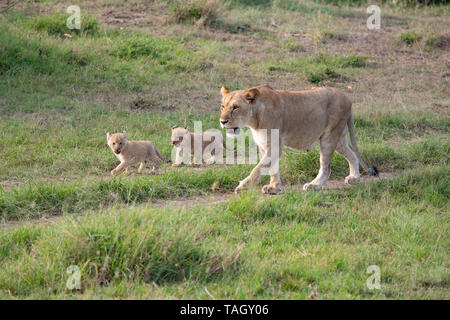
(373, 171)
(161, 157)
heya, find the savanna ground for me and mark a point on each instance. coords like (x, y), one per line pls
(144, 66)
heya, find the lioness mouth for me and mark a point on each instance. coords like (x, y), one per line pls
(233, 131)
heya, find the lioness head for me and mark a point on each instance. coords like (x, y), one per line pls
(237, 109)
(179, 134)
(116, 141)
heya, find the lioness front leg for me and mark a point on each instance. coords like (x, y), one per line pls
(119, 168)
(275, 182)
(253, 178)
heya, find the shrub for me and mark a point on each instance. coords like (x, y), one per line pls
(409, 37)
(438, 41)
(199, 12)
(164, 52)
(320, 67)
(294, 46)
(56, 24)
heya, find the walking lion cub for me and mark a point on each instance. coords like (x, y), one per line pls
(209, 144)
(132, 152)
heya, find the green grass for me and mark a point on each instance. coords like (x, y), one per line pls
(321, 67)
(49, 199)
(409, 38)
(253, 247)
(59, 96)
(56, 24)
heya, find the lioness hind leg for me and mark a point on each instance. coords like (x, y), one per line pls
(344, 149)
(326, 154)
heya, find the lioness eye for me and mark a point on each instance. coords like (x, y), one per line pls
(235, 107)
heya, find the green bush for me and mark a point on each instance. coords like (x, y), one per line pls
(165, 52)
(22, 53)
(438, 41)
(294, 46)
(409, 38)
(56, 24)
(320, 67)
(199, 12)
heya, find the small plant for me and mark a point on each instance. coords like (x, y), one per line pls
(320, 67)
(56, 24)
(318, 76)
(198, 12)
(164, 52)
(322, 36)
(409, 38)
(294, 46)
(438, 41)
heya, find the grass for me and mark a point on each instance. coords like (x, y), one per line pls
(146, 71)
(321, 67)
(409, 37)
(231, 249)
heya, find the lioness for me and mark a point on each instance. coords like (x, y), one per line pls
(132, 152)
(184, 141)
(302, 118)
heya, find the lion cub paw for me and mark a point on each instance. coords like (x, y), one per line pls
(351, 180)
(270, 189)
(310, 186)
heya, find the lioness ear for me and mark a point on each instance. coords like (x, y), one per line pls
(251, 95)
(108, 135)
(224, 91)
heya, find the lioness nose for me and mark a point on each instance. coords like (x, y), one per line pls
(223, 122)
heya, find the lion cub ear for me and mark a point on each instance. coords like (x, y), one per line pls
(224, 91)
(251, 95)
(108, 135)
(124, 134)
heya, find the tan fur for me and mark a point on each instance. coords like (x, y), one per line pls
(132, 152)
(302, 118)
(183, 139)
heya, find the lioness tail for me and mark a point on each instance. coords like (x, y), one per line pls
(373, 171)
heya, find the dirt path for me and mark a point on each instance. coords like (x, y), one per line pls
(209, 199)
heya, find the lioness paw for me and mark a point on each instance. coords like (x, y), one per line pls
(270, 189)
(310, 186)
(351, 180)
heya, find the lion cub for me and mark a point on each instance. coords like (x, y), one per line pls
(184, 141)
(132, 152)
